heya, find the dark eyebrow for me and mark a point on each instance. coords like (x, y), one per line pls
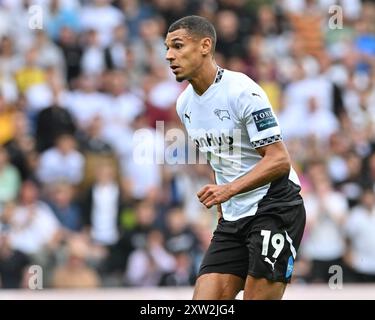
(177, 38)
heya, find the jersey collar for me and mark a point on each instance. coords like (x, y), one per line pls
(219, 74)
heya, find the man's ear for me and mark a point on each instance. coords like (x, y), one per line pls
(206, 45)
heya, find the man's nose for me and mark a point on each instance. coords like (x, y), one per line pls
(169, 56)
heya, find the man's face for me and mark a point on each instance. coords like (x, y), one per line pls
(183, 53)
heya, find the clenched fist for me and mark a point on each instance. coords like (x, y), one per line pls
(212, 194)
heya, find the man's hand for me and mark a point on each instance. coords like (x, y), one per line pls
(212, 194)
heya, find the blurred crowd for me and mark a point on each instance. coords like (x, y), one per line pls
(73, 198)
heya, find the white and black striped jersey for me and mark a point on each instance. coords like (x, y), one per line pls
(228, 122)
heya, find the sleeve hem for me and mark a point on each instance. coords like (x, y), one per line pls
(266, 141)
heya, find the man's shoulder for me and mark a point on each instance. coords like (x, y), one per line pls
(242, 91)
(235, 77)
(238, 82)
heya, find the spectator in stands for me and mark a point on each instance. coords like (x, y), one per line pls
(183, 273)
(184, 245)
(141, 173)
(179, 236)
(326, 214)
(360, 230)
(21, 148)
(229, 41)
(102, 206)
(50, 167)
(59, 16)
(149, 47)
(116, 54)
(75, 272)
(146, 266)
(52, 122)
(6, 121)
(139, 223)
(93, 57)
(30, 74)
(61, 199)
(85, 102)
(9, 63)
(12, 262)
(110, 17)
(92, 141)
(34, 229)
(9, 179)
(72, 52)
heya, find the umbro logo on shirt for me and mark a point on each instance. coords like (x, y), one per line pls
(222, 114)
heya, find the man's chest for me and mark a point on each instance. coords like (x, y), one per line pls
(216, 114)
(211, 125)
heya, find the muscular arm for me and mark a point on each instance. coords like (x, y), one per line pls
(275, 163)
(218, 206)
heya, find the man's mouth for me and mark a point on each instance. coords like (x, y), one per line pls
(174, 68)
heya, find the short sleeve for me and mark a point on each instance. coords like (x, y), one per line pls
(259, 118)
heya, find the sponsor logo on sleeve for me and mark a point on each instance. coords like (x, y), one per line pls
(264, 119)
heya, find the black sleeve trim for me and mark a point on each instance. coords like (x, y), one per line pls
(266, 141)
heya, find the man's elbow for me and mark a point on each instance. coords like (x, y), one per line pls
(278, 158)
(283, 165)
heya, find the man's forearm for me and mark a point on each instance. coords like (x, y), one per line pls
(273, 164)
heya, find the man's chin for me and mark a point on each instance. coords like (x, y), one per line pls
(180, 78)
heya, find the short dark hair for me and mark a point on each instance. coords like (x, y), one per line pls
(196, 25)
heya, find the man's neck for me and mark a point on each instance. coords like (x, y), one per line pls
(207, 74)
